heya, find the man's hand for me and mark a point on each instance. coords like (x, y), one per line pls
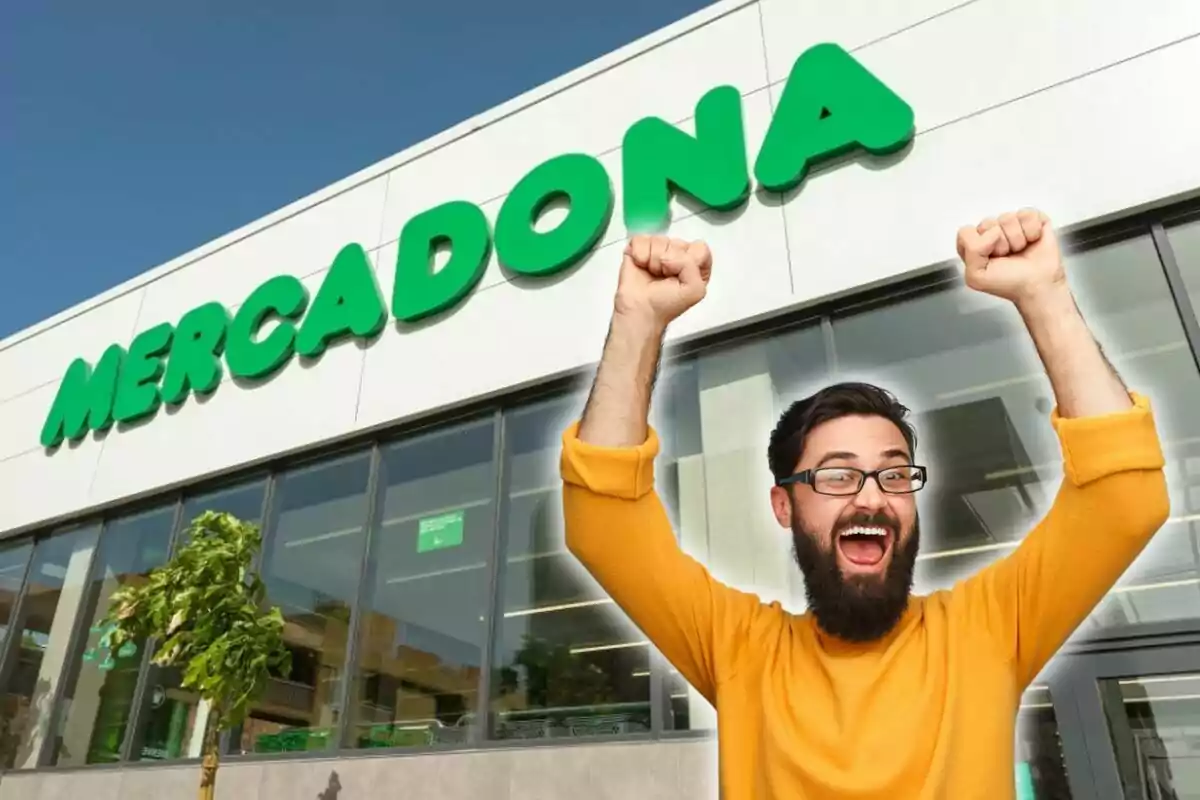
(1015, 257)
(661, 278)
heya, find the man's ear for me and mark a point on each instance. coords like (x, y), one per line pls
(781, 504)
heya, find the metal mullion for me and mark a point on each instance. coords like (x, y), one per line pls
(1067, 691)
(137, 711)
(266, 526)
(660, 704)
(375, 499)
(831, 359)
(481, 729)
(76, 640)
(1178, 288)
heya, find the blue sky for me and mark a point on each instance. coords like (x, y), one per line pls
(131, 132)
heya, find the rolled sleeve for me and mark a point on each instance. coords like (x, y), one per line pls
(1099, 446)
(622, 472)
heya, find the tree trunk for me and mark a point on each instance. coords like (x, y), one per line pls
(211, 757)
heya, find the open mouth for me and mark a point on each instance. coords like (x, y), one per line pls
(865, 547)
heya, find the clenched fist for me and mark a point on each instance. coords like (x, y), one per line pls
(661, 278)
(1015, 257)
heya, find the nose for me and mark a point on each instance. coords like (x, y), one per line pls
(870, 497)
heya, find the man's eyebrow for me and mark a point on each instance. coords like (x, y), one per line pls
(896, 452)
(836, 455)
(846, 455)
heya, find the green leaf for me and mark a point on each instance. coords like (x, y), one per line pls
(204, 613)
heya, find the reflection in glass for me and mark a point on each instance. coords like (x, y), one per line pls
(1185, 242)
(1153, 721)
(1041, 769)
(100, 686)
(423, 624)
(311, 563)
(58, 577)
(964, 364)
(173, 719)
(567, 663)
(14, 557)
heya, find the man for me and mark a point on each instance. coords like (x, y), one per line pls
(871, 693)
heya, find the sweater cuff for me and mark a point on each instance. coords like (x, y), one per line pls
(1098, 446)
(624, 472)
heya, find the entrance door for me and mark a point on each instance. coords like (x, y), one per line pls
(1138, 715)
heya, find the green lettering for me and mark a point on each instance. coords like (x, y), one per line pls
(195, 361)
(580, 179)
(347, 304)
(247, 357)
(419, 291)
(830, 105)
(658, 158)
(137, 383)
(85, 399)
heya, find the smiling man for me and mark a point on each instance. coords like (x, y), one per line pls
(872, 692)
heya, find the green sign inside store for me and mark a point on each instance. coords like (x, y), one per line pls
(830, 106)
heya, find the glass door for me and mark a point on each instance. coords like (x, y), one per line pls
(1139, 717)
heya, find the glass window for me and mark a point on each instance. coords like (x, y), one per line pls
(420, 652)
(715, 414)
(58, 577)
(1152, 720)
(1185, 241)
(173, 720)
(312, 561)
(100, 685)
(566, 662)
(1041, 769)
(964, 364)
(14, 557)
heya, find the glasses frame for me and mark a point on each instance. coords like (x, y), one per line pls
(806, 477)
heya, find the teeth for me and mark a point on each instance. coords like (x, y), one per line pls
(859, 530)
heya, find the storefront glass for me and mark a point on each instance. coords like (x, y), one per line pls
(566, 662)
(423, 622)
(57, 579)
(173, 720)
(100, 685)
(14, 558)
(311, 565)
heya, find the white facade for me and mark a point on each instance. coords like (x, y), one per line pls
(1086, 109)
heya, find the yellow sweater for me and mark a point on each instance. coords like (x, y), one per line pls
(928, 712)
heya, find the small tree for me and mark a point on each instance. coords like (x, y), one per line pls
(206, 609)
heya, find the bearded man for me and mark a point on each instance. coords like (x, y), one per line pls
(872, 692)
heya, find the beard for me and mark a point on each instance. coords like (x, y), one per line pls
(860, 608)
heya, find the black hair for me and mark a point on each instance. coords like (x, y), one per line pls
(832, 402)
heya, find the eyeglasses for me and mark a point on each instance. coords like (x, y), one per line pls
(840, 481)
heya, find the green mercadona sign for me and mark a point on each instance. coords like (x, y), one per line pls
(831, 105)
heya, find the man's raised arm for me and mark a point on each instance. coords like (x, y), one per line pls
(615, 522)
(1113, 496)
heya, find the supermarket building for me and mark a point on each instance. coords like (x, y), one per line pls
(399, 446)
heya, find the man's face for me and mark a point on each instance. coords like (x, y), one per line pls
(857, 551)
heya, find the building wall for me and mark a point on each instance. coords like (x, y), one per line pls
(662, 771)
(1085, 109)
